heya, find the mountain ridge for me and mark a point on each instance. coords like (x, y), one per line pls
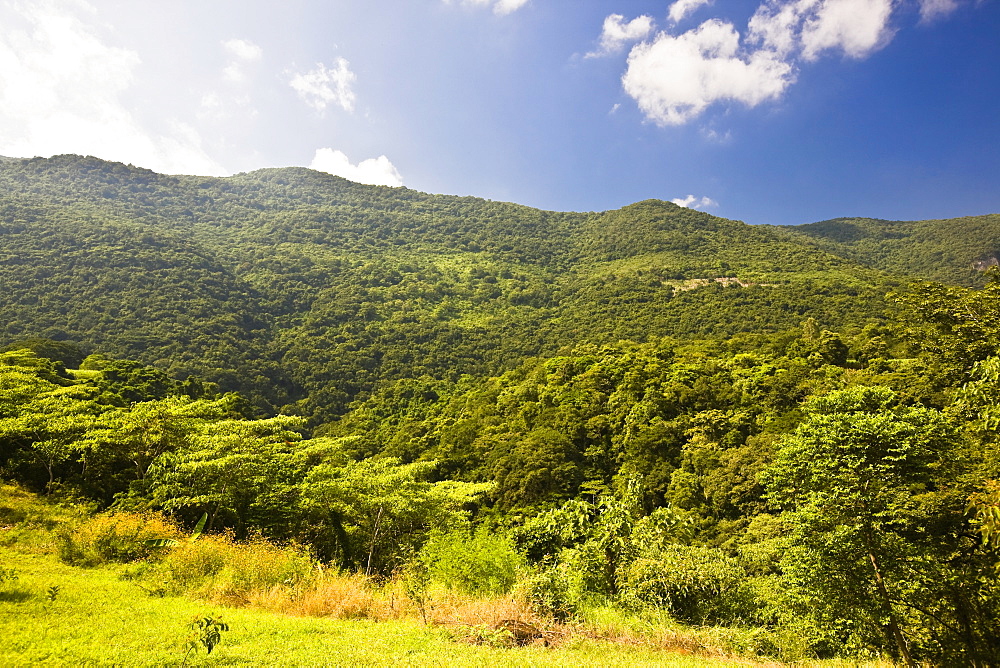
(306, 290)
(893, 245)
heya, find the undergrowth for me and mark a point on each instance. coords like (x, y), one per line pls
(260, 575)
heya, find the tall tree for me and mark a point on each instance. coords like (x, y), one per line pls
(880, 535)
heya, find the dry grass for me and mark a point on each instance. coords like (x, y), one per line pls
(120, 537)
(452, 608)
(660, 632)
(351, 596)
(281, 579)
(682, 642)
(339, 596)
(220, 570)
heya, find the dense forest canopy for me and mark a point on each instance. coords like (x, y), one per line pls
(305, 291)
(783, 429)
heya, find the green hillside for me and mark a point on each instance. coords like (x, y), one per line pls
(951, 251)
(297, 287)
(650, 424)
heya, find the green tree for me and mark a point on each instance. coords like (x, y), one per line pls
(234, 470)
(380, 510)
(54, 424)
(957, 327)
(144, 431)
(878, 525)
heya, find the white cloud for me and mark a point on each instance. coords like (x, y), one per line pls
(321, 86)
(243, 49)
(857, 27)
(218, 108)
(809, 27)
(61, 91)
(931, 10)
(616, 33)
(374, 171)
(229, 102)
(504, 7)
(674, 79)
(715, 136)
(241, 53)
(692, 202)
(681, 9)
(776, 26)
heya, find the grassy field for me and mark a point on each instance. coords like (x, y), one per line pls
(97, 619)
(127, 614)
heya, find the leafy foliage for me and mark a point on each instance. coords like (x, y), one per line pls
(303, 290)
(206, 632)
(478, 562)
(948, 251)
(864, 479)
(649, 408)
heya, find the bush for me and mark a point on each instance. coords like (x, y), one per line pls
(218, 568)
(119, 537)
(695, 584)
(259, 566)
(477, 563)
(552, 591)
(190, 565)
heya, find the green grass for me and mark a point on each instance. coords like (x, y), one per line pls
(97, 619)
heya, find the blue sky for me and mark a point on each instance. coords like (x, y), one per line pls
(784, 112)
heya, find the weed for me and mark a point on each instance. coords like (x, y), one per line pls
(205, 632)
(506, 633)
(120, 537)
(52, 593)
(8, 590)
(416, 583)
(336, 595)
(483, 634)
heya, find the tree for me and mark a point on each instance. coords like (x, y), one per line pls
(54, 423)
(879, 529)
(957, 326)
(144, 431)
(382, 510)
(61, 352)
(232, 470)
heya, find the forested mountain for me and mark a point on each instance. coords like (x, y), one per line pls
(778, 431)
(951, 251)
(305, 290)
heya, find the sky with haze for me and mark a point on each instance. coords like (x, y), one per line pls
(781, 111)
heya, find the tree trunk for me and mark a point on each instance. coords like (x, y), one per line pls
(371, 551)
(894, 629)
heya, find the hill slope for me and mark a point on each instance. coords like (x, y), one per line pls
(956, 250)
(298, 286)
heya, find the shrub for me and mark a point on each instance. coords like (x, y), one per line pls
(218, 568)
(472, 563)
(552, 591)
(120, 537)
(695, 584)
(190, 565)
(258, 566)
(337, 595)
